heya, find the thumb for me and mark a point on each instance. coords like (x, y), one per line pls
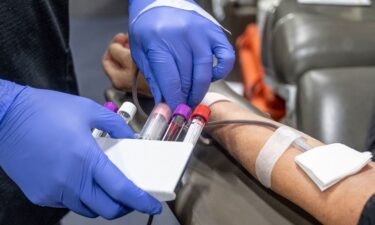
(225, 55)
(111, 123)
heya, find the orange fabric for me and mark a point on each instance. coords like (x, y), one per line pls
(256, 91)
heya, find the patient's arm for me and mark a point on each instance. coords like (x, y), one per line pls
(340, 204)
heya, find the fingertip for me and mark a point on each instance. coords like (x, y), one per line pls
(150, 204)
(226, 58)
(111, 123)
(158, 209)
(120, 129)
(121, 38)
(176, 99)
(194, 101)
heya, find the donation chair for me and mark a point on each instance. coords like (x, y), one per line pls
(322, 59)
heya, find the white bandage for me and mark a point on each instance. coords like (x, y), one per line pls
(213, 97)
(326, 165)
(278, 143)
(180, 4)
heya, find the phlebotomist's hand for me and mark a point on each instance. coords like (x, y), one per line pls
(174, 49)
(47, 149)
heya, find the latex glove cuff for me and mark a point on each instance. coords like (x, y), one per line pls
(184, 5)
(8, 92)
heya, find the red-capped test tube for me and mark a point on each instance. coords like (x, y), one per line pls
(199, 119)
(156, 123)
(180, 117)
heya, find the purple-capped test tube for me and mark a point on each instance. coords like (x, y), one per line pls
(180, 117)
(112, 107)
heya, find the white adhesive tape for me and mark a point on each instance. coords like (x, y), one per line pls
(274, 148)
(180, 4)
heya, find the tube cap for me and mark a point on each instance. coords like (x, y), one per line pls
(129, 108)
(162, 109)
(111, 106)
(183, 110)
(202, 111)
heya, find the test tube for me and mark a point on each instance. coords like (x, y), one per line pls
(99, 133)
(156, 123)
(180, 116)
(127, 111)
(199, 119)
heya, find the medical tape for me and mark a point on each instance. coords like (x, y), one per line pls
(274, 148)
(180, 4)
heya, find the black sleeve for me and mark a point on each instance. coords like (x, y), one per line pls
(368, 213)
(370, 141)
(16, 209)
(34, 44)
(34, 51)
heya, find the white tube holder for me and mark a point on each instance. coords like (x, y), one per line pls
(154, 166)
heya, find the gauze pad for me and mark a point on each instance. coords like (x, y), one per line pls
(327, 165)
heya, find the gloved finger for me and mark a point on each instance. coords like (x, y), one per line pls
(98, 201)
(122, 190)
(110, 122)
(184, 62)
(141, 60)
(167, 76)
(78, 207)
(202, 75)
(224, 53)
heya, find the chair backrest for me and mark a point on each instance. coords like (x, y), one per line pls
(336, 105)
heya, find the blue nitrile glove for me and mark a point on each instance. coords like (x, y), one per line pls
(47, 149)
(174, 49)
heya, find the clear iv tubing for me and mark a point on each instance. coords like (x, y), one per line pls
(299, 143)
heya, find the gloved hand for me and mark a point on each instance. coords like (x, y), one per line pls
(174, 49)
(47, 149)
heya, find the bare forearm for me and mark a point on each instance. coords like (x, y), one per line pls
(341, 204)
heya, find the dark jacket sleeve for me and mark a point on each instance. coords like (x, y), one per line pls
(368, 213)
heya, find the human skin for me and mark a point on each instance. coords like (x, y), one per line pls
(120, 68)
(340, 204)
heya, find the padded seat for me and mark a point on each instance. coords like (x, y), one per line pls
(308, 37)
(336, 105)
(349, 13)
